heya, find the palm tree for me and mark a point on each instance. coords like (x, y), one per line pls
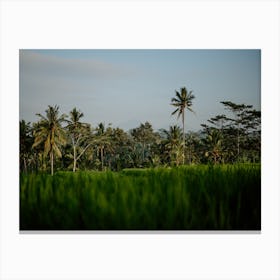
(144, 135)
(183, 100)
(213, 142)
(51, 133)
(74, 123)
(102, 141)
(79, 133)
(173, 143)
(25, 144)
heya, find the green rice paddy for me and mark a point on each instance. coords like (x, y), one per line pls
(204, 197)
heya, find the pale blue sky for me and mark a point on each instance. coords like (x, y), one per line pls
(127, 87)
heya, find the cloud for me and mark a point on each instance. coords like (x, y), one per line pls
(38, 64)
(49, 79)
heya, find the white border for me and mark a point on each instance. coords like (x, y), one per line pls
(145, 24)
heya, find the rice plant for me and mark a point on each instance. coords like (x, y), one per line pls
(200, 197)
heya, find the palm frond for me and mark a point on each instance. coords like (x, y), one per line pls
(173, 113)
(190, 109)
(43, 119)
(37, 141)
(176, 104)
(62, 118)
(57, 151)
(47, 145)
(176, 100)
(180, 99)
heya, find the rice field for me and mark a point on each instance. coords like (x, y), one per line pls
(199, 197)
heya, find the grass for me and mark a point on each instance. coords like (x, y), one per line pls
(222, 197)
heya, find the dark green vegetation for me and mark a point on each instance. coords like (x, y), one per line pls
(198, 197)
(60, 142)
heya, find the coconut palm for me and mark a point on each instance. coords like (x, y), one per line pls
(25, 144)
(50, 132)
(173, 143)
(74, 124)
(102, 141)
(79, 133)
(183, 100)
(213, 143)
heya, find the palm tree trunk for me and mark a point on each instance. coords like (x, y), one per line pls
(238, 141)
(143, 152)
(25, 164)
(75, 159)
(101, 154)
(183, 119)
(51, 162)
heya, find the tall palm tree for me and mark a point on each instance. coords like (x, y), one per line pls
(51, 133)
(74, 123)
(79, 133)
(102, 141)
(182, 101)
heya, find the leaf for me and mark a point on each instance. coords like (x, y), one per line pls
(57, 151)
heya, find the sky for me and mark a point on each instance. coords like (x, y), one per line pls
(129, 87)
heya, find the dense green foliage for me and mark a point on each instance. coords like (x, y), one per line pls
(60, 142)
(199, 197)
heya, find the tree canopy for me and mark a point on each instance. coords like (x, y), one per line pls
(64, 142)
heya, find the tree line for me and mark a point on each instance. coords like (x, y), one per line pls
(64, 142)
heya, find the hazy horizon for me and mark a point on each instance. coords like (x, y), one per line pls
(129, 87)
